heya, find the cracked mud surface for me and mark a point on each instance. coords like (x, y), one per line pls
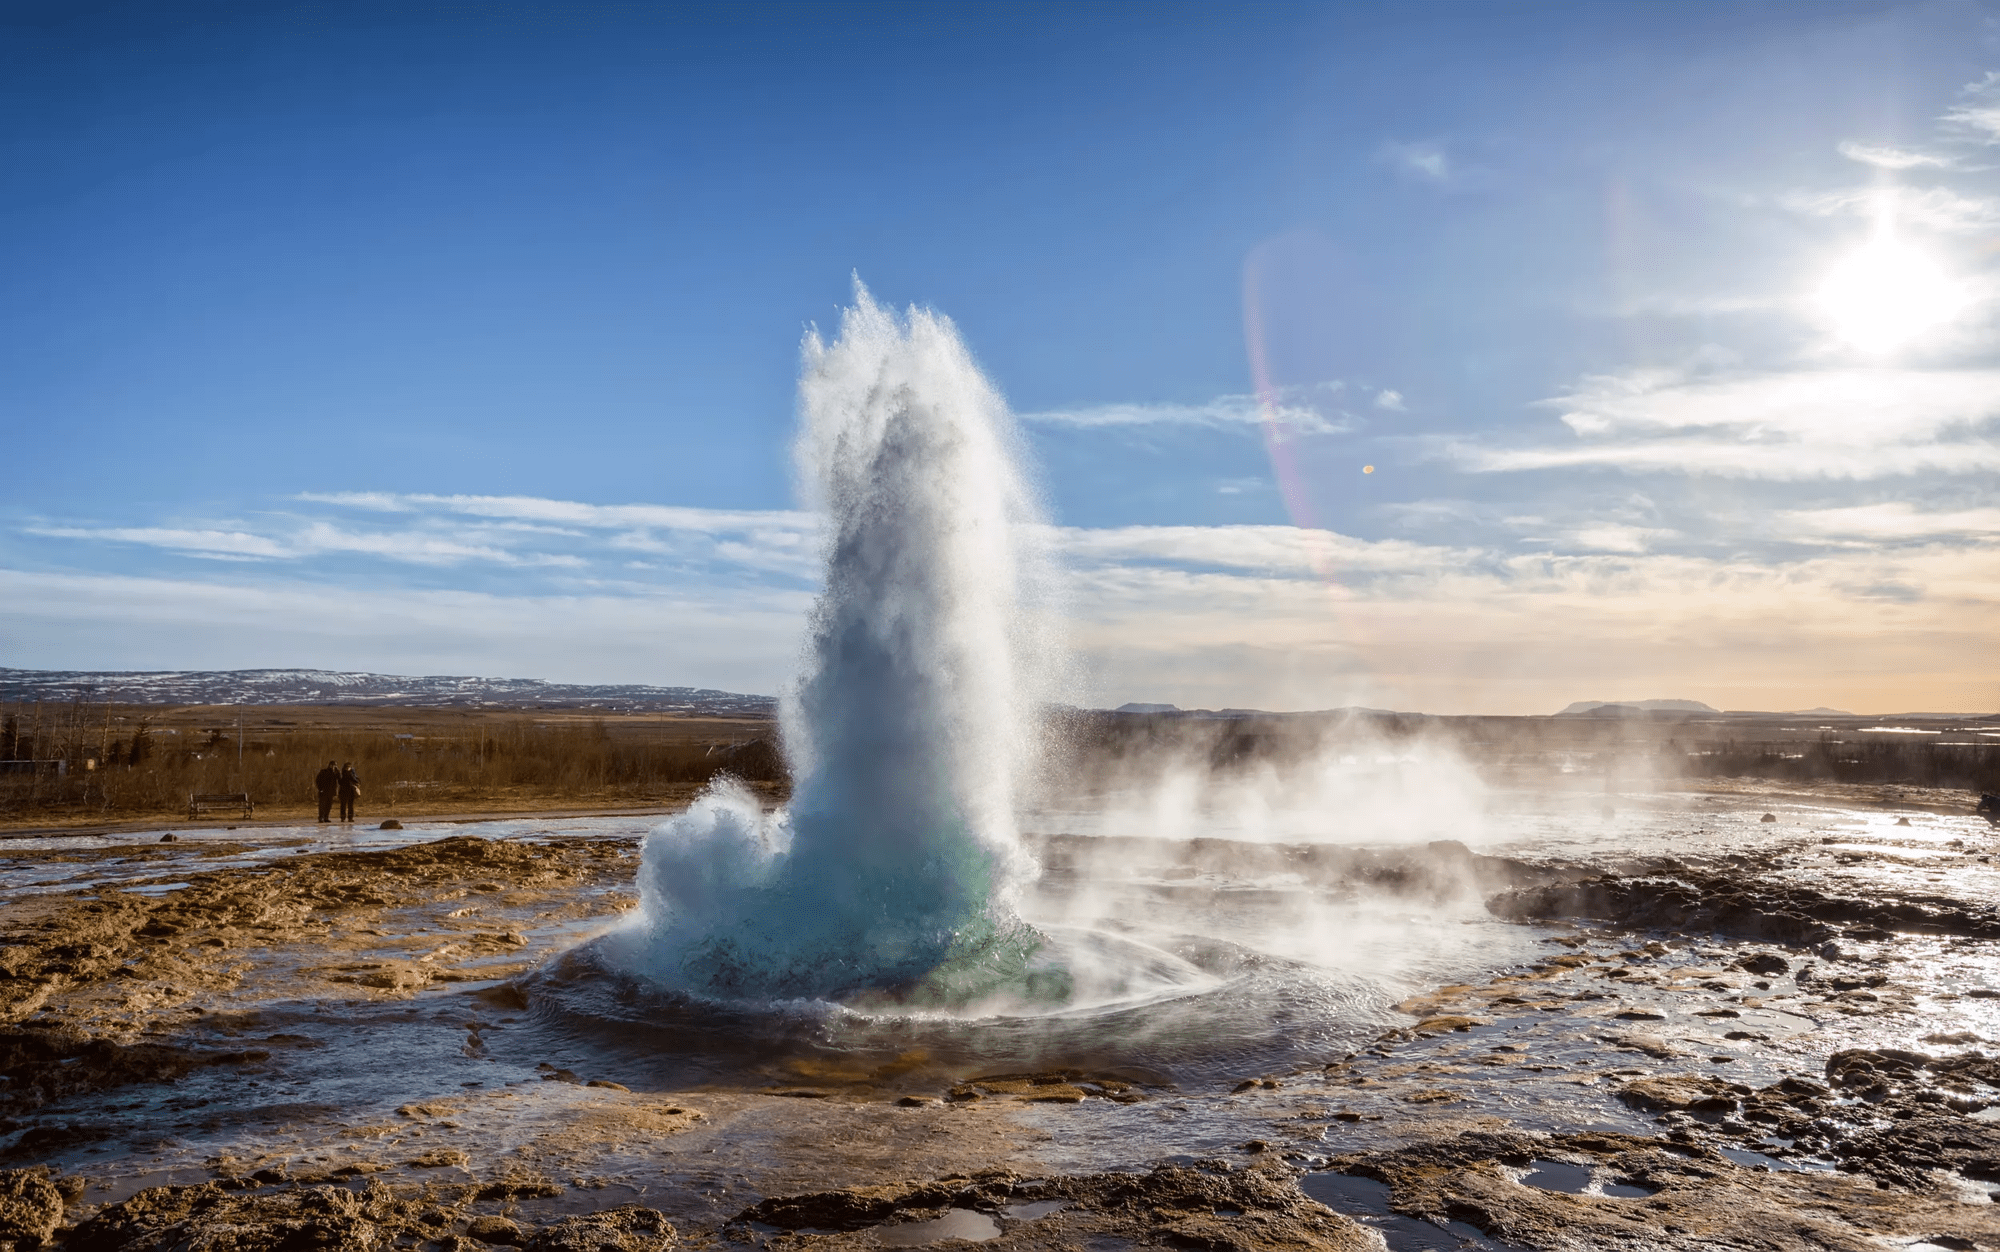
(1790, 1045)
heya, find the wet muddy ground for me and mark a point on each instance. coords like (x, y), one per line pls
(1673, 1026)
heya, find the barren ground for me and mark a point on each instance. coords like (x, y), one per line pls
(253, 1046)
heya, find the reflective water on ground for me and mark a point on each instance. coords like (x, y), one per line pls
(1218, 960)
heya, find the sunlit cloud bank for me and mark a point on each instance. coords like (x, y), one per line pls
(734, 640)
(1888, 523)
(1476, 631)
(515, 531)
(1838, 424)
(1889, 607)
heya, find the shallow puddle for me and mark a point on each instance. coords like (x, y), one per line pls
(1034, 1209)
(1558, 1176)
(1367, 1201)
(965, 1224)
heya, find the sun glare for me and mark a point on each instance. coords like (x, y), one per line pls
(1886, 294)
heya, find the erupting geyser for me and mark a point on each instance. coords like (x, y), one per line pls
(893, 872)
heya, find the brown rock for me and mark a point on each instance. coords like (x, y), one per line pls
(1247, 1210)
(1447, 1022)
(49, 1065)
(1432, 1095)
(626, 1229)
(496, 1230)
(30, 1208)
(162, 1219)
(439, 1158)
(1692, 1199)
(1681, 1092)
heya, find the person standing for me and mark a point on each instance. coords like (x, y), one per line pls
(326, 782)
(350, 787)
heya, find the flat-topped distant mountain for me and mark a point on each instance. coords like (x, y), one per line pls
(1615, 708)
(1632, 708)
(319, 686)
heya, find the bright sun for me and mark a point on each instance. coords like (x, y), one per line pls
(1886, 294)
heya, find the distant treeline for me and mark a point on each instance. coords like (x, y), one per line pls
(67, 765)
(1971, 767)
(79, 760)
(1520, 747)
(1095, 739)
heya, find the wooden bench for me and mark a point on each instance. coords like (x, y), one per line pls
(215, 802)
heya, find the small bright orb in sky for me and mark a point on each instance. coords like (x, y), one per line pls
(1886, 294)
(1367, 469)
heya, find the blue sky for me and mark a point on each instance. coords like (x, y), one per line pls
(453, 338)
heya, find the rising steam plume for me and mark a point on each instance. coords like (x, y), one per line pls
(894, 870)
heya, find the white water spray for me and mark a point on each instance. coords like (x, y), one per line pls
(894, 870)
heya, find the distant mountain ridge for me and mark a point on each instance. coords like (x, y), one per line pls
(1583, 708)
(1626, 708)
(319, 686)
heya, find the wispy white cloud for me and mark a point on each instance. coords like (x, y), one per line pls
(224, 544)
(1851, 424)
(1888, 521)
(1423, 160)
(1222, 412)
(1888, 157)
(378, 501)
(1266, 549)
(572, 512)
(300, 542)
(1979, 114)
(416, 547)
(523, 532)
(1613, 537)
(1938, 209)
(1434, 513)
(1271, 551)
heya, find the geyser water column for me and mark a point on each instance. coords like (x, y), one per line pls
(892, 874)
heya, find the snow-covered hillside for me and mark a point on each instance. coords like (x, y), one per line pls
(318, 686)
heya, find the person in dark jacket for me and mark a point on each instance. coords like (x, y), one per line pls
(350, 787)
(326, 782)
